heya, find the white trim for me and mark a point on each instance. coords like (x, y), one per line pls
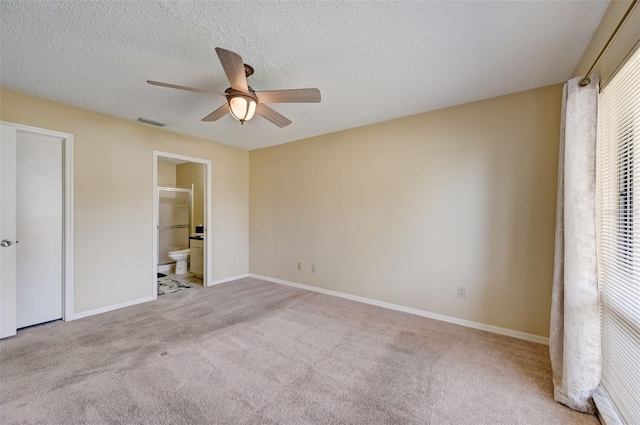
(166, 268)
(154, 231)
(208, 224)
(436, 316)
(228, 279)
(37, 130)
(110, 308)
(68, 227)
(67, 143)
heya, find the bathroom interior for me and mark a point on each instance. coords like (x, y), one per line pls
(181, 224)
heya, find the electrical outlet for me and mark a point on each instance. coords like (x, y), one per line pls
(313, 268)
(299, 266)
(462, 292)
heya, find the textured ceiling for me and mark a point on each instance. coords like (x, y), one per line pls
(372, 61)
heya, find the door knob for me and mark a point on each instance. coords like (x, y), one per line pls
(6, 243)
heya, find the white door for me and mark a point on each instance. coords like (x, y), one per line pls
(7, 231)
(39, 228)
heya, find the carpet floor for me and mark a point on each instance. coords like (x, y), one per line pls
(253, 352)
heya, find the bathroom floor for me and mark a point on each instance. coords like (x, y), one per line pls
(174, 283)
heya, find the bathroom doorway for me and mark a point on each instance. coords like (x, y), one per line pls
(181, 217)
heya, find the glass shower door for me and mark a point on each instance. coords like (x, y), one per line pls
(173, 221)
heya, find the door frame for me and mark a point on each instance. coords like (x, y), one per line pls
(67, 213)
(207, 225)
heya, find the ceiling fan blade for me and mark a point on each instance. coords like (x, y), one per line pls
(234, 68)
(289, 96)
(271, 115)
(174, 86)
(218, 113)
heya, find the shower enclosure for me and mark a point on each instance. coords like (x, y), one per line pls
(174, 220)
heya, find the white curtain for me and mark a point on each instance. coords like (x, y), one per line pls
(575, 329)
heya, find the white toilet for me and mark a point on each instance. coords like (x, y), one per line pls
(180, 257)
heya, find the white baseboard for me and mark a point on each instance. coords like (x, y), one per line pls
(145, 299)
(227, 279)
(468, 323)
(166, 267)
(109, 308)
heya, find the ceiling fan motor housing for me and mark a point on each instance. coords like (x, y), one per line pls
(248, 70)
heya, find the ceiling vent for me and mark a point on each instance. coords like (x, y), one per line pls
(152, 122)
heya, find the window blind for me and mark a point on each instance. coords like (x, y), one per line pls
(619, 239)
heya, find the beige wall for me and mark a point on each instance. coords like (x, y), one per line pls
(622, 45)
(407, 210)
(166, 172)
(186, 175)
(113, 191)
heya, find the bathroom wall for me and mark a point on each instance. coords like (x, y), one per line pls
(166, 172)
(193, 173)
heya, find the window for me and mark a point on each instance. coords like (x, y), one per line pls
(619, 239)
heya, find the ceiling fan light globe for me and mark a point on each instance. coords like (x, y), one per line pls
(252, 110)
(242, 108)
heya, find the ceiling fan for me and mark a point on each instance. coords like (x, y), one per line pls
(242, 101)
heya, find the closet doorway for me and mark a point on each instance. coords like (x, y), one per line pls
(181, 222)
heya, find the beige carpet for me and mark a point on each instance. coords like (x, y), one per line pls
(252, 352)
